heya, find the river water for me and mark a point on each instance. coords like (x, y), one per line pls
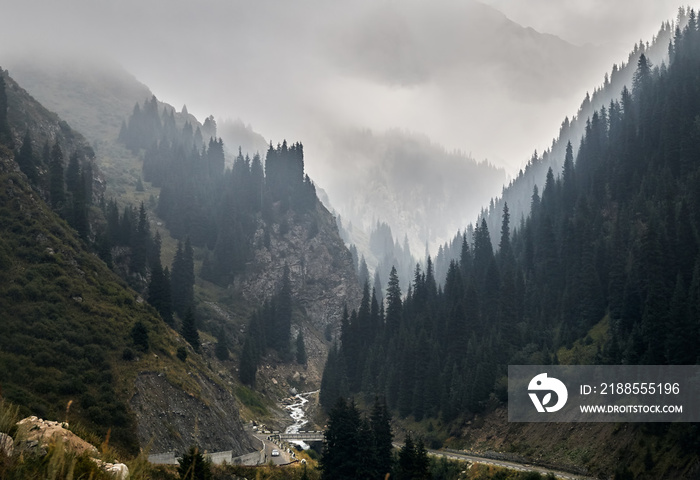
(298, 414)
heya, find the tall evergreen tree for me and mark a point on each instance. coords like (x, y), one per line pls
(393, 302)
(248, 362)
(221, 349)
(4, 125)
(381, 438)
(25, 158)
(159, 288)
(341, 458)
(193, 465)
(182, 278)
(57, 191)
(189, 330)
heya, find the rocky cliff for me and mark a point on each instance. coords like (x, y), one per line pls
(320, 266)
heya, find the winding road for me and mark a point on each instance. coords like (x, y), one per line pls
(523, 467)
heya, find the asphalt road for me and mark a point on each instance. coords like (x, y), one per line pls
(283, 458)
(523, 467)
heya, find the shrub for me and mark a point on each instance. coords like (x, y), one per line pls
(182, 353)
(193, 465)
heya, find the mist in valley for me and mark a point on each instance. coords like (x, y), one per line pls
(411, 113)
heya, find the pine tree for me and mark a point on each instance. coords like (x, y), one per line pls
(413, 461)
(393, 303)
(189, 330)
(73, 179)
(248, 362)
(341, 459)
(405, 467)
(363, 272)
(221, 349)
(193, 465)
(381, 438)
(79, 214)
(182, 278)
(139, 242)
(25, 159)
(334, 382)
(159, 293)
(4, 125)
(57, 191)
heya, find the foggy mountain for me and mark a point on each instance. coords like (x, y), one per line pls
(474, 60)
(460, 73)
(604, 269)
(420, 190)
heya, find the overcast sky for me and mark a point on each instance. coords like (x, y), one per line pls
(303, 70)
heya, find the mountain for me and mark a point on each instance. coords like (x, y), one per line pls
(415, 43)
(237, 135)
(412, 58)
(240, 252)
(414, 185)
(605, 269)
(76, 343)
(80, 91)
(518, 192)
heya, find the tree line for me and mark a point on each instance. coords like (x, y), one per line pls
(218, 208)
(613, 240)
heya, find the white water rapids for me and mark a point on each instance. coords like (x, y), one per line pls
(296, 411)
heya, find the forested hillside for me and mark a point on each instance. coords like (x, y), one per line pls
(610, 243)
(518, 191)
(258, 227)
(74, 338)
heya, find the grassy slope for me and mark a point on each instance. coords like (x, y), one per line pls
(66, 321)
(65, 318)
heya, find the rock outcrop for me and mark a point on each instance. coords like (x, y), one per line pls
(321, 268)
(38, 435)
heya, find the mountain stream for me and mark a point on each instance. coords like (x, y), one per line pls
(298, 414)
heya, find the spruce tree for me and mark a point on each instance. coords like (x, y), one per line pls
(341, 458)
(73, 178)
(394, 303)
(381, 438)
(4, 125)
(189, 330)
(57, 191)
(221, 349)
(25, 159)
(158, 293)
(334, 382)
(193, 465)
(406, 464)
(182, 278)
(80, 208)
(248, 362)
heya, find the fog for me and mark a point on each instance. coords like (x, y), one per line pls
(460, 72)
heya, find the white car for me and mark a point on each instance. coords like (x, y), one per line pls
(275, 453)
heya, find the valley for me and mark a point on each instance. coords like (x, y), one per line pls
(346, 302)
